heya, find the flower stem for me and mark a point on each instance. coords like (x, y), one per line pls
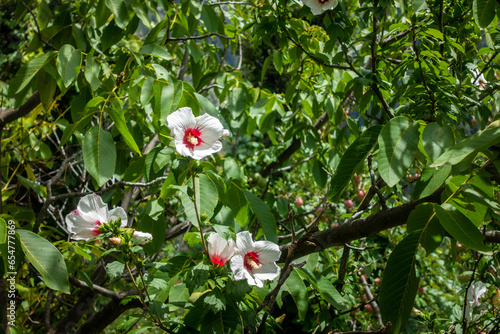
(196, 210)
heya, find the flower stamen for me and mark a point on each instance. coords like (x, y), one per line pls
(251, 261)
(192, 138)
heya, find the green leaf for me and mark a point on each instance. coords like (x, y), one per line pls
(424, 218)
(484, 12)
(117, 115)
(399, 284)
(264, 215)
(297, 289)
(228, 321)
(3, 231)
(322, 285)
(215, 300)
(470, 145)
(460, 227)
(115, 269)
(238, 203)
(99, 154)
(430, 181)
(120, 11)
(68, 63)
(206, 199)
(92, 70)
(355, 154)
(155, 51)
(46, 259)
(28, 71)
(210, 18)
(437, 139)
(398, 143)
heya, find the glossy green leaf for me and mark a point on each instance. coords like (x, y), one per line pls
(28, 71)
(470, 145)
(238, 203)
(46, 259)
(432, 178)
(3, 231)
(206, 199)
(297, 289)
(484, 11)
(399, 284)
(120, 12)
(352, 158)
(460, 227)
(398, 143)
(325, 288)
(155, 51)
(92, 71)
(263, 213)
(99, 154)
(437, 139)
(69, 61)
(117, 115)
(424, 218)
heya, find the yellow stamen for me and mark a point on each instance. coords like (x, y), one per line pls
(192, 139)
(252, 263)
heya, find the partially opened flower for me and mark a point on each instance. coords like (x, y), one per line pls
(476, 290)
(479, 81)
(84, 222)
(320, 6)
(195, 137)
(144, 235)
(220, 250)
(255, 260)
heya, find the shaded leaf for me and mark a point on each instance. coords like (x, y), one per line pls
(46, 259)
(399, 283)
(355, 154)
(398, 143)
(99, 154)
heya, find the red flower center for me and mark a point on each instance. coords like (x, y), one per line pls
(192, 138)
(251, 261)
(218, 260)
(96, 231)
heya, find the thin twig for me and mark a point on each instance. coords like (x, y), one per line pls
(374, 184)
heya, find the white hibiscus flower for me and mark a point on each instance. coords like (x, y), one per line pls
(220, 250)
(255, 260)
(91, 212)
(476, 290)
(195, 137)
(320, 6)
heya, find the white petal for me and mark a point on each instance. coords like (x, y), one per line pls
(211, 128)
(217, 245)
(138, 234)
(179, 121)
(268, 251)
(238, 268)
(93, 206)
(116, 213)
(268, 271)
(204, 150)
(182, 149)
(225, 133)
(244, 243)
(81, 226)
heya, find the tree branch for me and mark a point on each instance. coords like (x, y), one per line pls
(10, 115)
(356, 229)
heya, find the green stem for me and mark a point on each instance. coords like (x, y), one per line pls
(196, 210)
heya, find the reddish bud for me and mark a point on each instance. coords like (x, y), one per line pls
(377, 281)
(474, 122)
(420, 289)
(348, 204)
(299, 202)
(360, 195)
(369, 308)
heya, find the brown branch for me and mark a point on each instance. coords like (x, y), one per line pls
(106, 315)
(356, 229)
(10, 115)
(200, 37)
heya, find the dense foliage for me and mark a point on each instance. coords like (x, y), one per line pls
(363, 140)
